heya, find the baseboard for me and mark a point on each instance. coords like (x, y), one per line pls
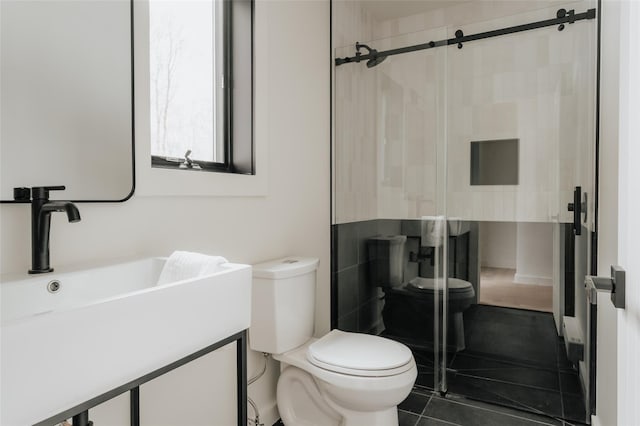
(532, 279)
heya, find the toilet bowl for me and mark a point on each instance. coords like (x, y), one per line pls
(410, 307)
(460, 293)
(344, 379)
(341, 379)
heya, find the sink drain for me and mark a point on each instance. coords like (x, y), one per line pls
(54, 286)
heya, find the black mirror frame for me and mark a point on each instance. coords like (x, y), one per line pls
(133, 133)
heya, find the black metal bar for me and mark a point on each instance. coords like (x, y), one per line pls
(134, 406)
(569, 270)
(455, 257)
(468, 261)
(81, 419)
(594, 235)
(241, 362)
(596, 185)
(593, 359)
(569, 18)
(60, 417)
(333, 314)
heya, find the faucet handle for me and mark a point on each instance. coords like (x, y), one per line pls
(22, 194)
(42, 192)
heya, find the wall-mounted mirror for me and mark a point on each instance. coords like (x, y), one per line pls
(67, 98)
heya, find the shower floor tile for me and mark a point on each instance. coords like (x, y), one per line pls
(512, 335)
(514, 360)
(503, 371)
(460, 411)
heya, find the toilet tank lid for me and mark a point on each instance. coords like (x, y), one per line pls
(285, 267)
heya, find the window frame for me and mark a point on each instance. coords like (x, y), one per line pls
(238, 152)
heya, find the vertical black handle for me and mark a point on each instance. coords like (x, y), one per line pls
(576, 208)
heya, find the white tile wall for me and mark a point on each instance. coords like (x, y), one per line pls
(394, 122)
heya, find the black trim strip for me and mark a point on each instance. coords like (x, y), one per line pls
(240, 338)
(569, 18)
(134, 406)
(593, 373)
(241, 362)
(227, 16)
(176, 164)
(333, 244)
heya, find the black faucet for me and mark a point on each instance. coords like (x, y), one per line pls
(41, 209)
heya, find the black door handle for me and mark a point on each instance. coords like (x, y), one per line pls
(578, 207)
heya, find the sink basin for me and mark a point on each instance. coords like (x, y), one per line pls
(105, 327)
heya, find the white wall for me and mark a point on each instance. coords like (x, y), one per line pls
(628, 207)
(498, 244)
(293, 218)
(607, 349)
(619, 330)
(534, 263)
(355, 153)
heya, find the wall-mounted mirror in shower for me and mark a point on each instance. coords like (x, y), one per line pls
(494, 162)
(67, 98)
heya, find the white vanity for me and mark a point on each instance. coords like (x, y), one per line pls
(73, 339)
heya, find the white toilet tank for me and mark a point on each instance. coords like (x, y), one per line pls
(282, 304)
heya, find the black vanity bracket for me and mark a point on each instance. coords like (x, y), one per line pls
(80, 413)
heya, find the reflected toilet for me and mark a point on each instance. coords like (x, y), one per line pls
(410, 306)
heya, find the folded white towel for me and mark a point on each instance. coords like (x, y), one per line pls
(433, 231)
(183, 265)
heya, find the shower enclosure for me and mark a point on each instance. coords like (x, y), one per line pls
(458, 159)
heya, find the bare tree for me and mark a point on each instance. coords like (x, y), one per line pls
(166, 46)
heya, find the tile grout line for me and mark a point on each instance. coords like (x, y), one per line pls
(489, 379)
(426, 405)
(507, 414)
(516, 363)
(441, 420)
(562, 413)
(424, 416)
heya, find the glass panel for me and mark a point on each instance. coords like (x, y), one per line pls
(186, 66)
(389, 188)
(537, 88)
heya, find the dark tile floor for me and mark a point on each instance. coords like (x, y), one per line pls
(423, 408)
(514, 359)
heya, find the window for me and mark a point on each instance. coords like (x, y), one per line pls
(201, 85)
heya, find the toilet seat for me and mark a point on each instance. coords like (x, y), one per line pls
(454, 285)
(358, 354)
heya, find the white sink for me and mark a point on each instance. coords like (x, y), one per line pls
(105, 327)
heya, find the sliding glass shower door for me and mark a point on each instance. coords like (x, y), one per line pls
(520, 141)
(454, 168)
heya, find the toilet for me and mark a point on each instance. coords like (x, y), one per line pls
(409, 305)
(340, 379)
